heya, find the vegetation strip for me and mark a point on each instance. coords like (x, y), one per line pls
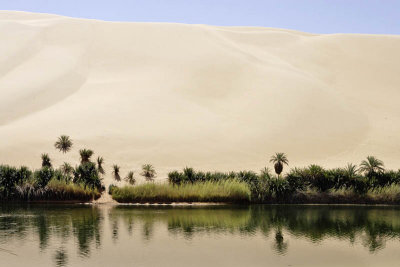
(368, 183)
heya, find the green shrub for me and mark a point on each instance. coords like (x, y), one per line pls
(175, 178)
(23, 174)
(43, 176)
(88, 175)
(319, 178)
(111, 187)
(279, 188)
(360, 185)
(296, 181)
(386, 178)
(249, 177)
(8, 179)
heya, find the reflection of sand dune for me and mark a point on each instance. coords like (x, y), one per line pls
(210, 97)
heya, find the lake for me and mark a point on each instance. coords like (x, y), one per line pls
(258, 235)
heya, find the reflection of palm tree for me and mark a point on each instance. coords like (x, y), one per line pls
(147, 230)
(374, 242)
(61, 258)
(280, 245)
(43, 231)
(115, 230)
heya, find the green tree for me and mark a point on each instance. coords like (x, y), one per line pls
(87, 174)
(46, 161)
(372, 166)
(350, 170)
(67, 169)
(100, 162)
(64, 143)
(85, 154)
(148, 172)
(43, 176)
(130, 178)
(279, 159)
(117, 177)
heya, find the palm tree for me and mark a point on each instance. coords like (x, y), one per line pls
(350, 170)
(64, 143)
(67, 169)
(279, 159)
(116, 173)
(265, 171)
(372, 165)
(100, 162)
(85, 155)
(46, 161)
(148, 172)
(130, 178)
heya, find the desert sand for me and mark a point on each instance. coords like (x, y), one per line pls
(176, 95)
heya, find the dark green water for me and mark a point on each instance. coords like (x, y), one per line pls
(82, 235)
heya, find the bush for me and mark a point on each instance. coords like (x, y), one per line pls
(249, 177)
(23, 175)
(296, 180)
(319, 178)
(43, 176)
(279, 188)
(87, 174)
(8, 179)
(383, 179)
(111, 188)
(175, 178)
(360, 185)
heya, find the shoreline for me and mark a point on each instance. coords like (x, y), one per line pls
(194, 204)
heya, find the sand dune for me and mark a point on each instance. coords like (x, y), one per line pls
(220, 98)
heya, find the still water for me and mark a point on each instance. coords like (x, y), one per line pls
(83, 235)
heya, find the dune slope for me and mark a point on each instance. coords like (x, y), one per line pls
(174, 95)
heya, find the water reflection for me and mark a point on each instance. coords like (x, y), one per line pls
(372, 225)
(61, 258)
(67, 232)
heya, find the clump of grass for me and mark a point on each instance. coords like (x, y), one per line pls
(386, 194)
(221, 191)
(56, 190)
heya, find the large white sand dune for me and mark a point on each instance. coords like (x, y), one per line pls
(175, 95)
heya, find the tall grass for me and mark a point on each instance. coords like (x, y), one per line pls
(210, 191)
(386, 194)
(56, 190)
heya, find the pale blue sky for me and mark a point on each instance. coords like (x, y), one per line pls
(317, 16)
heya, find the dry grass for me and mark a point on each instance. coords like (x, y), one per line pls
(57, 191)
(223, 191)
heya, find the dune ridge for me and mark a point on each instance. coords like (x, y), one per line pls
(211, 97)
